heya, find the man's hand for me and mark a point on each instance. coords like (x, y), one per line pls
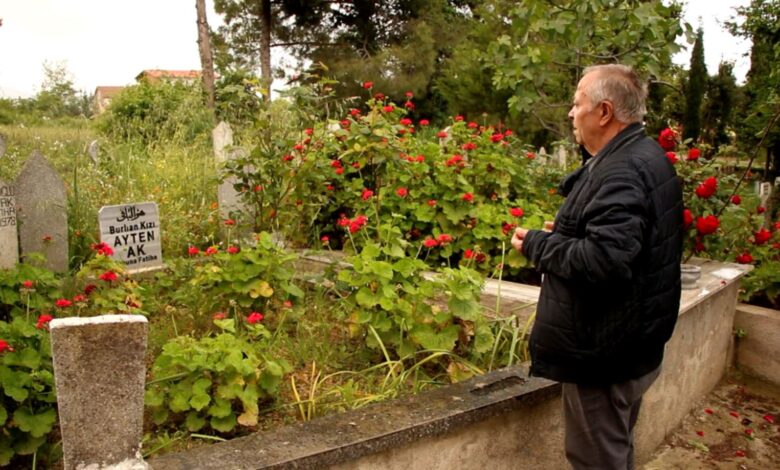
(518, 237)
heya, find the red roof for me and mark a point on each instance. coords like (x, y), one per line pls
(155, 74)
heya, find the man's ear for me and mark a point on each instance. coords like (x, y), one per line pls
(606, 112)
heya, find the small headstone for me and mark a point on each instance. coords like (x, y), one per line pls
(9, 241)
(41, 211)
(93, 150)
(133, 232)
(2, 145)
(99, 373)
(764, 191)
(228, 197)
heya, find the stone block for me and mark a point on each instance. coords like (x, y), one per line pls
(758, 351)
(99, 373)
(9, 241)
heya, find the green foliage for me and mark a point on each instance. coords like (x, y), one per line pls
(254, 278)
(695, 88)
(16, 299)
(149, 113)
(213, 383)
(27, 401)
(718, 110)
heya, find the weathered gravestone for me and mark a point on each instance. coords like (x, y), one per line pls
(99, 373)
(133, 232)
(41, 211)
(93, 150)
(9, 241)
(2, 145)
(228, 197)
(764, 192)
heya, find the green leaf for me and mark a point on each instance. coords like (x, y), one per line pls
(3, 415)
(293, 290)
(226, 324)
(27, 357)
(159, 416)
(154, 397)
(366, 298)
(483, 339)
(427, 337)
(516, 260)
(37, 425)
(28, 444)
(194, 422)
(220, 409)
(179, 402)
(6, 450)
(382, 268)
(464, 309)
(200, 401)
(225, 424)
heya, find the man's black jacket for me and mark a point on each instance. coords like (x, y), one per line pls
(611, 288)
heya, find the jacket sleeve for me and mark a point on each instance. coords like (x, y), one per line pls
(614, 224)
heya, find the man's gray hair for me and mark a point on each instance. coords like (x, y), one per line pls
(620, 85)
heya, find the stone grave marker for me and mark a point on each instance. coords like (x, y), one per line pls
(99, 374)
(764, 191)
(93, 150)
(41, 212)
(228, 197)
(9, 241)
(559, 156)
(133, 232)
(2, 145)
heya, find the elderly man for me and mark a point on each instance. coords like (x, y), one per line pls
(611, 271)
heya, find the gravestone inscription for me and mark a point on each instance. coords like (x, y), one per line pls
(133, 232)
(9, 241)
(41, 211)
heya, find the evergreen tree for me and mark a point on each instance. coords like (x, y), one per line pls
(718, 109)
(695, 88)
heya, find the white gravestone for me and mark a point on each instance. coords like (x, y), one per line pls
(133, 232)
(9, 241)
(764, 191)
(229, 198)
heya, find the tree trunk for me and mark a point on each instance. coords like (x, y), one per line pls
(206, 59)
(265, 49)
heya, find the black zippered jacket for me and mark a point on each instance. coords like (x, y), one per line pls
(611, 287)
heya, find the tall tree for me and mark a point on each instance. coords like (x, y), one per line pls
(535, 51)
(695, 89)
(718, 108)
(206, 58)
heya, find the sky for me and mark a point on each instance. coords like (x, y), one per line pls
(109, 42)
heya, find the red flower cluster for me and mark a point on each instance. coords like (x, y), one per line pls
(672, 157)
(707, 188)
(687, 218)
(4, 346)
(455, 160)
(441, 135)
(744, 258)
(468, 197)
(469, 146)
(516, 212)
(736, 200)
(444, 239)
(368, 85)
(389, 108)
(693, 154)
(402, 192)
(63, 303)
(43, 320)
(28, 284)
(472, 125)
(219, 316)
(254, 317)
(192, 251)
(507, 228)
(497, 137)
(367, 194)
(707, 225)
(478, 257)
(424, 122)
(667, 139)
(102, 249)
(762, 236)
(353, 225)
(432, 202)
(430, 243)
(232, 249)
(405, 122)
(108, 276)
(80, 298)
(230, 222)
(530, 155)
(212, 250)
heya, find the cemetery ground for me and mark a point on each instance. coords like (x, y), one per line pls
(240, 338)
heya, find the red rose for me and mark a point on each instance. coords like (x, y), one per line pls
(468, 197)
(339, 171)
(424, 122)
(368, 85)
(693, 154)
(43, 320)
(744, 258)
(444, 239)
(516, 212)
(497, 137)
(254, 317)
(667, 140)
(108, 276)
(707, 188)
(405, 122)
(102, 249)
(367, 194)
(672, 157)
(409, 105)
(354, 112)
(388, 109)
(232, 249)
(760, 209)
(89, 288)
(430, 243)
(401, 192)
(736, 200)
(762, 236)
(4, 346)
(687, 218)
(63, 303)
(441, 134)
(707, 225)
(192, 251)
(27, 284)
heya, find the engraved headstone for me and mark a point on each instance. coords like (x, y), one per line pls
(93, 150)
(764, 191)
(41, 212)
(133, 232)
(99, 373)
(2, 145)
(228, 197)
(9, 241)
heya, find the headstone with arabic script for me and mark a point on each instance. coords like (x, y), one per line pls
(9, 241)
(42, 212)
(133, 232)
